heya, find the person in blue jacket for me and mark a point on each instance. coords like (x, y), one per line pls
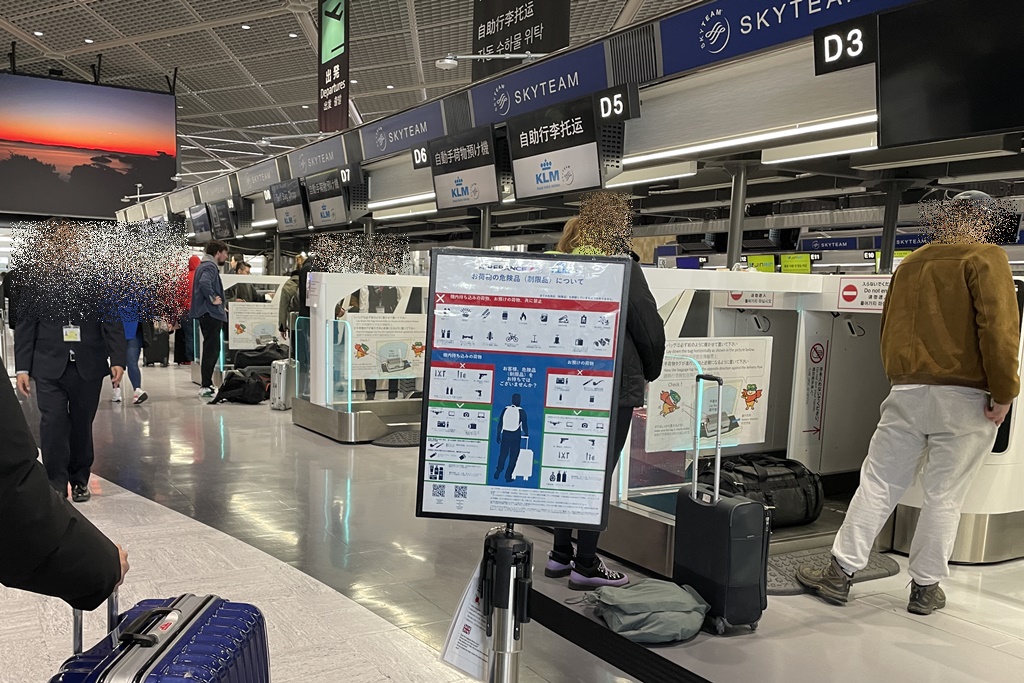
(133, 336)
(208, 308)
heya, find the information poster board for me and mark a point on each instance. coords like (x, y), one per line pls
(387, 346)
(521, 383)
(743, 362)
(247, 322)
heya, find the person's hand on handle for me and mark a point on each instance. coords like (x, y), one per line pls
(996, 412)
(24, 384)
(116, 374)
(123, 554)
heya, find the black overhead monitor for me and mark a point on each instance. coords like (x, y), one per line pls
(950, 69)
(199, 223)
(222, 220)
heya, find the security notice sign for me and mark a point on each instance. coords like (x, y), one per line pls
(745, 365)
(751, 300)
(862, 293)
(387, 346)
(517, 27)
(248, 323)
(521, 380)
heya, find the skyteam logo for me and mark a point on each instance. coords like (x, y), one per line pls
(381, 139)
(502, 101)
(568, 177)
(715, 32)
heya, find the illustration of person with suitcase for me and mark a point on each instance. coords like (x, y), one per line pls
(512, 431)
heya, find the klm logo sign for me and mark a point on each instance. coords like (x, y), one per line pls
(460, 191)
(548, 175)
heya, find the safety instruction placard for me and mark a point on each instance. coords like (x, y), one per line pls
(521, 387)
(387, 346)
(863, 293)
(467, 646)
(250, 324)
(751, 300)
(673, 406)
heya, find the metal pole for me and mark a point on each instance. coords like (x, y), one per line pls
(891, 221)
(76, 632)
(369, 225)
(505, 583)
(276, 270)
(506, 648)
(734, 248)
(485, 227)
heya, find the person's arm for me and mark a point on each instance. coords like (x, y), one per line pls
(205, 278)
(995, 306)
(117, 345)
(48, 546)
(25, 332)
(644, 324)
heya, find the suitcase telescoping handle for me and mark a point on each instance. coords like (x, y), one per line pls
(79, 618)
(718, 434)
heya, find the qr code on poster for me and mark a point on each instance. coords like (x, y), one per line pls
(461, 491)
(439, 491)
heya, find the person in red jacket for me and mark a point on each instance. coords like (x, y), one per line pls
(184, 352)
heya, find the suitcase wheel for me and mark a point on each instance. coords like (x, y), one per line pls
(720, 625)
(753, 627)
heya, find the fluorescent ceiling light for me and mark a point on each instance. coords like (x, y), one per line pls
(353, 81)
(655, 174)
(405, 211)
(834, 147)
(412, 199)
(37, 34)
(968, 149)
(767, 199)
(754, 139)
(509, 200)
(724, 186)
(254, 234)
(269, 223)
(89, 41)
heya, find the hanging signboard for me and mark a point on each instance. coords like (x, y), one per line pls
(216, 189)
(717, 31)
(334, 65)
(555, 151)
(548, 82)
(221, 221)
(521, 386)
(846, 45)
(257, 178)
(320, 156)
(403, 131)
(743, 362)
(288, 206)
(327, 205)
(516, 27)
(182, 201)
(464, 169)
(829, 244)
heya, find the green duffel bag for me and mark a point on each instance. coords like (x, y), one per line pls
(650, 611)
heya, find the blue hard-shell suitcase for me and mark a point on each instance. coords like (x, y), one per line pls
(189, 639)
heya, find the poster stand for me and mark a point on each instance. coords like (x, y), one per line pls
(505, 584)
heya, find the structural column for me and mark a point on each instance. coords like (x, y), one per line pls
(734, 247)
(484, 241)
(276, 269)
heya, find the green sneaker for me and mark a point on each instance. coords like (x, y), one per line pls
(830, 583)
(925, 599)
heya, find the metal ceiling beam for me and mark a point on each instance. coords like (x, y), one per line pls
(29, 39)
(414, 30)
(628, 14)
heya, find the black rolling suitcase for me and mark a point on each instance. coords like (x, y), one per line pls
(158, 345)
(722, 544)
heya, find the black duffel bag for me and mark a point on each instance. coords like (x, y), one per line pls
(242, 387)
(792, 492)
(261, 356)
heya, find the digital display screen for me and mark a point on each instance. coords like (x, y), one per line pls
(222, 220)
(199, 223)
(75, 149)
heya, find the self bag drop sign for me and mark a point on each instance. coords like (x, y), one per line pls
(730, 28)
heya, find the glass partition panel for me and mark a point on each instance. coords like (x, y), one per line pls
(300, 337)
(339, 365)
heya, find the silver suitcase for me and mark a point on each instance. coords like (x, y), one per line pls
(282, 384)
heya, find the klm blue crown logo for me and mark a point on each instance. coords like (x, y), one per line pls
(458, 182)
(545, 165)
(460, 191)
(548, 176)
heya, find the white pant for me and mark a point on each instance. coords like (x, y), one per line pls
(941, 431)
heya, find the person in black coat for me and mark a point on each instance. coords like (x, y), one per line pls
(68, 359)
(48, 546)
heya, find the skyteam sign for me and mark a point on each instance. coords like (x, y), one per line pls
(725, 29)
(562, 79)
(402, 131)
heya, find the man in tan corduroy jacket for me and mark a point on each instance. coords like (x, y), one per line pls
(950, 347)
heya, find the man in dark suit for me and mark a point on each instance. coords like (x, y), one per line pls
(68, 359)
(49, 547)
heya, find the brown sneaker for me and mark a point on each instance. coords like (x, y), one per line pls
(830, 583)
(925, 599)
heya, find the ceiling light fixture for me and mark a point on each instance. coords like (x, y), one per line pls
(412, 199)
(255, 234)
(89, 41)
(305, 106)
(820, 149)
(293, 35)
(353, 81)
(754, 139)
(654, 174)
(37, 34)
(451, 61)
(246, 27)
(390, 87)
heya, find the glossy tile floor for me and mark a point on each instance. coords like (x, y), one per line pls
(343, 515)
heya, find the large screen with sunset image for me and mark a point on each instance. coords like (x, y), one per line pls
(75, 149)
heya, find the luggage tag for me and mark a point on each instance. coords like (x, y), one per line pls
(72, 333)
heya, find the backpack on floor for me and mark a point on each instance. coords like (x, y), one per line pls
(239, 387)
(650, 611)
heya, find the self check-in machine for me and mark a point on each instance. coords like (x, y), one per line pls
(827, 383)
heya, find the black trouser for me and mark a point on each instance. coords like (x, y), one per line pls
(212, 330)
(67, 407)
(371, 388)
(586, 541)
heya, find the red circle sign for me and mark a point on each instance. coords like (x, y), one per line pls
(736, 296)
(850, 293)
(817, 353)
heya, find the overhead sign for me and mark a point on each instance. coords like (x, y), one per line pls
(521, 387)
(796, 263)
(181, 201)
(618, 104)
(722, 30)
(156, 208)
(327, 205)
(334, 65)
(403, 131)
(320, 156)
(829, 244)
(216, 189)
(555, 151)
(911, 241)
(464, 169)
(221, 222)
(548, 82)
(846, 45)
(257, 178)
(516, 27)
(288, 206)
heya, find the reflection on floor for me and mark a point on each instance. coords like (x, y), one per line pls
(343, 515)
(316, 634)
